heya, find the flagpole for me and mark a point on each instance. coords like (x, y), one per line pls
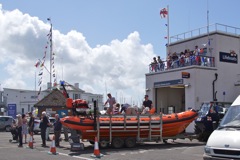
(50, 54)
(168, 34)
(208, 42)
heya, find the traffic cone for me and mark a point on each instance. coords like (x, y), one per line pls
(53, 147)
(30, 143)
(96, 153)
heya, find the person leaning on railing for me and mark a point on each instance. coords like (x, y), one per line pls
(154, 64)
(160, 64)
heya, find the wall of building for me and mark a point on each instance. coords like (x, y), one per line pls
(24, 99)
(200, 83)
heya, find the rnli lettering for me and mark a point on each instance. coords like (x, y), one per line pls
(228, 57)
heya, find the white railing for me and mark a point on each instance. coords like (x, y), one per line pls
(205, 30)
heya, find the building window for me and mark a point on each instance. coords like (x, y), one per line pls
(33, 97)
(171, 109)
(76, 96)
(28, 107)
(22, 110)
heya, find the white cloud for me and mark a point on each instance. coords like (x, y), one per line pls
(118, 67)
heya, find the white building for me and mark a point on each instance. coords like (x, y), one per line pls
(216, 77)
(22, 101)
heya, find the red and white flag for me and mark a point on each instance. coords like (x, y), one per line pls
(163, 13)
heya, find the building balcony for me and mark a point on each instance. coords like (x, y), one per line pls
(204, 61)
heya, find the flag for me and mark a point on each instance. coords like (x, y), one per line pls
(37, 63)
(165, 37)
(166, 24)
(39, 90)
(163, 13)
(209, 43)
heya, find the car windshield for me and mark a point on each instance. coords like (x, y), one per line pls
(232, 117)
(204, 109)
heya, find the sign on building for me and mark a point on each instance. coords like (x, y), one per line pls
(12, 110)
(228, 57)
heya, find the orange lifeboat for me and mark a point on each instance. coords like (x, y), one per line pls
(172, 124)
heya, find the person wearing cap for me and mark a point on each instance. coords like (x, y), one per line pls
(19, 128)
(147, 104)
(111, 101)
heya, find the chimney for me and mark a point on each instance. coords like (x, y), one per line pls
(76, 85)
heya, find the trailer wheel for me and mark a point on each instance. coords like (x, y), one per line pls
(117, 142)
(104, 144)
(91, 141)
(130, 142)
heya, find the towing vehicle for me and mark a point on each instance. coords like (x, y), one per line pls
(209, 117)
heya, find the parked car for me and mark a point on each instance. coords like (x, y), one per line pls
(6, 123)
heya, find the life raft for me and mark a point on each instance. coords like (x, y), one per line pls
(172, 124)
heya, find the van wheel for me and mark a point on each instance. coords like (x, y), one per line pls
(117, 142)
(130, 142)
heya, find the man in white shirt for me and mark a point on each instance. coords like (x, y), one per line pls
(111, 101)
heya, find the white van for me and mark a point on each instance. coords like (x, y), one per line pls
(224, 142)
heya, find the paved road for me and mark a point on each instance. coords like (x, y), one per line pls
(177, 150)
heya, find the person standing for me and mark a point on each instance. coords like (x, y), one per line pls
(43, 126)
(147, 104)
(31, 123)
(57, 130)
(48, 129)
(24, 127)
(111, 101)
(19, 129)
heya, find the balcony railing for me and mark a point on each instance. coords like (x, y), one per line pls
(205, 30)
(182, 62)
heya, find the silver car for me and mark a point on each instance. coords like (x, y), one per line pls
(36, 128)
(6, 123)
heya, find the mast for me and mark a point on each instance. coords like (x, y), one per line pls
(208, 38)
(168, 34)
(51, 49)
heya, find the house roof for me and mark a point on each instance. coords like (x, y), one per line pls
(54, 99)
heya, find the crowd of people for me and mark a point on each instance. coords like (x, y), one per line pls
(175, 60)
(25, 126)
(114, 107)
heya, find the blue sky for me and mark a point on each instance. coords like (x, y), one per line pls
(115, 33)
